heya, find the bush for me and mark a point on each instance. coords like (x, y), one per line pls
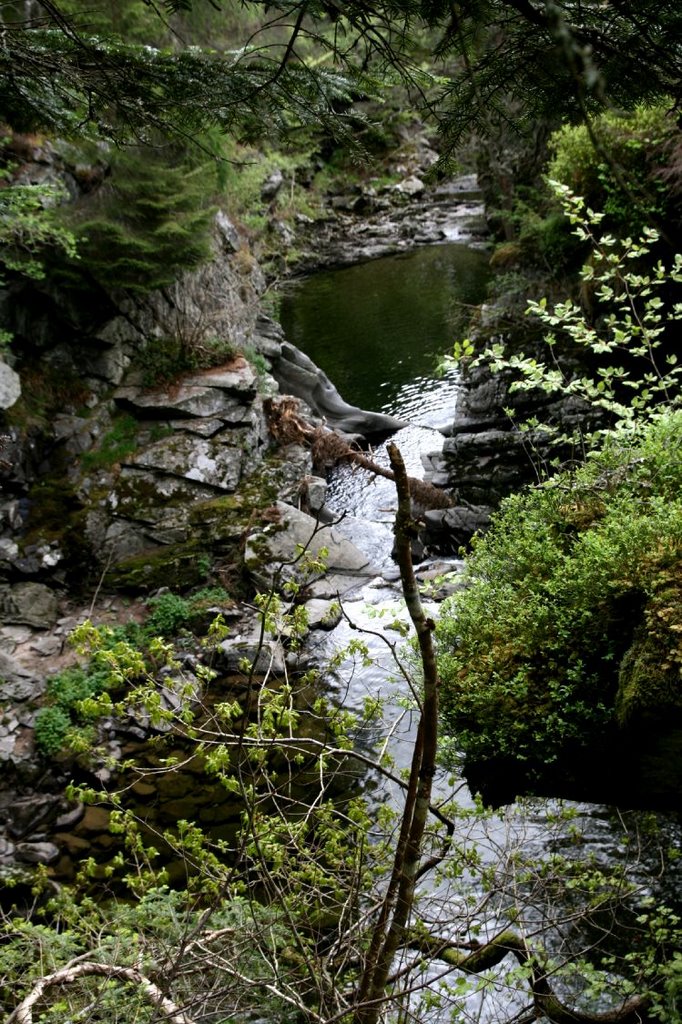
(65, 691)
(169, 613)
(50, 729)
(72, 685)
(572, 620)
(634, 144)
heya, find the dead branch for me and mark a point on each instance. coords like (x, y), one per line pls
(547, 1003)
(329, 448)
(23, 1013)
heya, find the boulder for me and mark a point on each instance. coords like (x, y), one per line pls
(274, 554)
(264, 657)
(30, 604)
(36, 853)
(449, 529)
(227, 233)
(412, 186)
(323, 614)
(32, 814)
(10, 386)
(269, 337)
(237, 377)
(271, 185)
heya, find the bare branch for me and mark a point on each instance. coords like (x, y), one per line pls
(23, 1013)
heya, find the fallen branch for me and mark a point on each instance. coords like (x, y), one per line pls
(483, 957)
(329, 448)
(23, 1013)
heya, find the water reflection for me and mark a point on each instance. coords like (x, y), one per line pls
(380, 327)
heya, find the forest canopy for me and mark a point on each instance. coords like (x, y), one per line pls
(184, 66)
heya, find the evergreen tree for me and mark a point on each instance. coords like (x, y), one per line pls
(149, 221)
(548, 58)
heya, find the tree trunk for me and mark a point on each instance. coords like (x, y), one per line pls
(390, 931)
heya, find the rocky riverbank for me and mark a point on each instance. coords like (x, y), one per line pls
(123, 479)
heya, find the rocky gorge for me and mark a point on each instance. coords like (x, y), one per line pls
(119, 483)
(122, 481)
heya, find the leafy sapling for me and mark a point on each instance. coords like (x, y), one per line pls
(635, 375)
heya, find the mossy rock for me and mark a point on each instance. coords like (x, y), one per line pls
(57, 519)
(229, 517)
(221, 519)
(178, 566)
(507, 254)
(52, 503)
(650, 677)
(650, 685)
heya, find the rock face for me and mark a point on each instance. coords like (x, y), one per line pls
(130, 479)
(486, 456)
(115, 474)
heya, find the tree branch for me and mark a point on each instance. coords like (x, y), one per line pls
(23, 1013)
(389, 932)
(631, 1011)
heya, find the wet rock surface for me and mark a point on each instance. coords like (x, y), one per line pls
(369, 222)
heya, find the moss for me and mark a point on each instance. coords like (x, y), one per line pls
(116, 445)
(178, 566)
(650, 678)
(51, 505)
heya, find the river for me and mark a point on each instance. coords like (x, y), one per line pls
(377, 329)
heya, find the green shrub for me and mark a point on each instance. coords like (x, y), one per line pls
(50, 729)
(633, 143)
(65, 691)
(209, 596)
(548, 240)
(202, 605)
(72, 685)
(169, 613)
(572, 620)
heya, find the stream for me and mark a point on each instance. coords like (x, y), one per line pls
(376, 329)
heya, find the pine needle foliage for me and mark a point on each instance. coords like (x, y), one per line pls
(149, 221)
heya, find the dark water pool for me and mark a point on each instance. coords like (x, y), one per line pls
(378, 328)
